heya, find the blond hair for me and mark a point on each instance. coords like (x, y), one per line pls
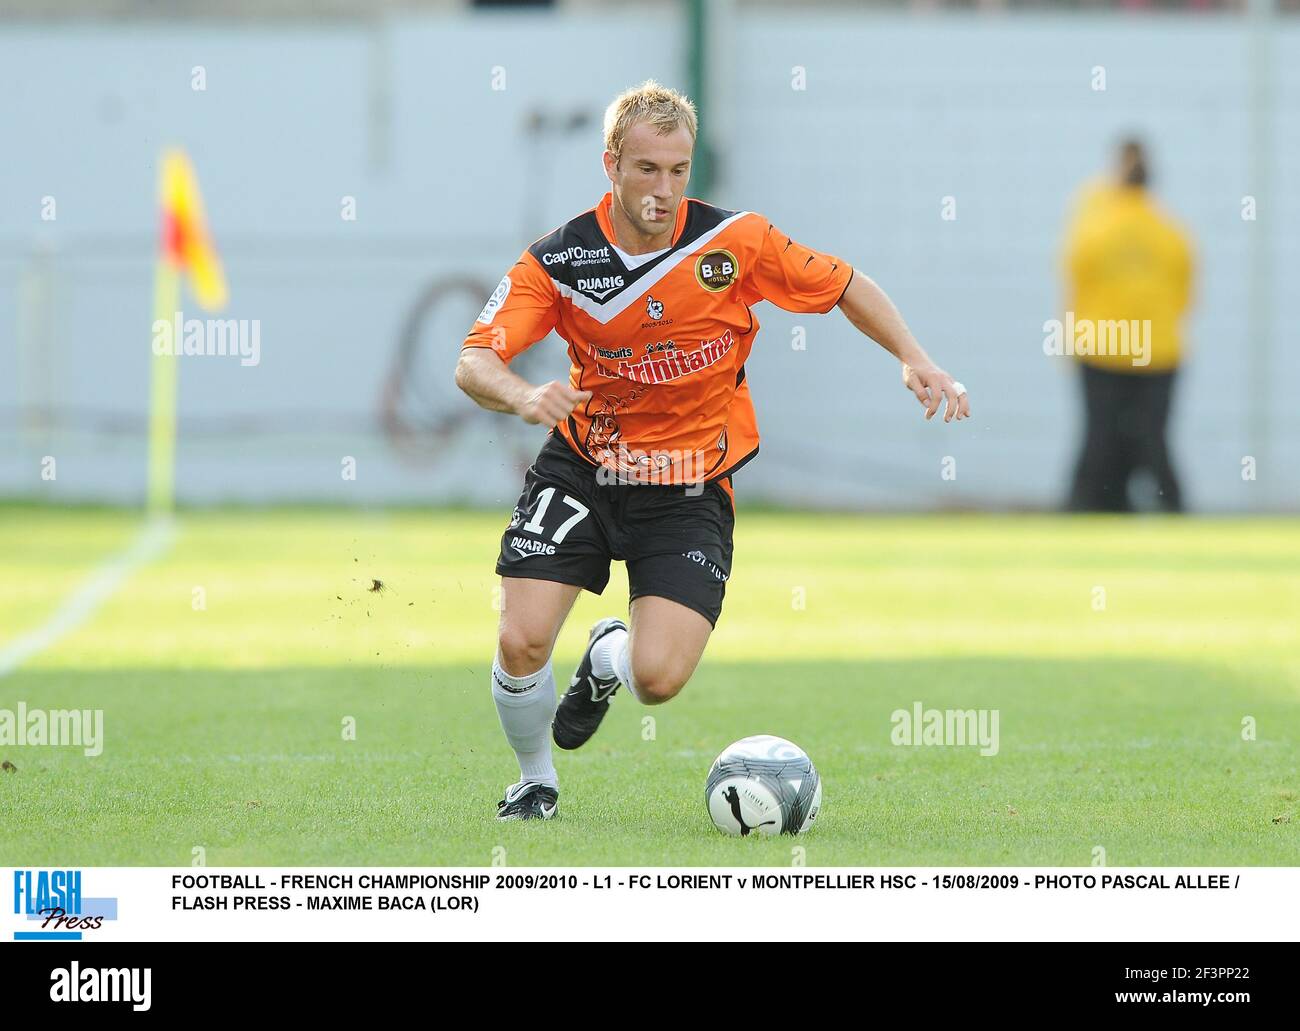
(664, 108)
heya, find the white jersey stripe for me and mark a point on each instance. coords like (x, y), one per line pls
(604, 311)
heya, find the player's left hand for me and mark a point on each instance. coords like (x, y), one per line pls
(932, 386)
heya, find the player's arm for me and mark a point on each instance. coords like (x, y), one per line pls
(491, 384)
(522, 310)
(800, 279)
(872, 312)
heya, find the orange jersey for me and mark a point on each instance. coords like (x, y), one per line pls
(660, 343)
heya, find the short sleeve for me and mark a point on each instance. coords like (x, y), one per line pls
(522, 309)
(795, 277)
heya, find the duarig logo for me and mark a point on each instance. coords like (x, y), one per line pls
(53, 900)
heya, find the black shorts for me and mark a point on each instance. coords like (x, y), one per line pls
(567, 527)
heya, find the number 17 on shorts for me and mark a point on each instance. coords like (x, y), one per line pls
(553, 536)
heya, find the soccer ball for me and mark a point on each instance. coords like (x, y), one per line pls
(763, 785)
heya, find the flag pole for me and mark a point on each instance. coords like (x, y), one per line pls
(162, 389)
(184, 247)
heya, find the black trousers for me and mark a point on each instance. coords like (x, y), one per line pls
(1127, 416)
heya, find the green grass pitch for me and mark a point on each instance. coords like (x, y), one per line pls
(1121, 727)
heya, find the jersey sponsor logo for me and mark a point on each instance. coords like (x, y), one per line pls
(600, 286)
(716, 270)
(671, 365)
(578, 257)
(527, 547)
(494, 302)
(613, 356)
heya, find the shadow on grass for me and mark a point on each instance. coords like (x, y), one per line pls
(352, 767)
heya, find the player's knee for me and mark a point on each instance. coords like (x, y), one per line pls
(521, 651)
(655, 685)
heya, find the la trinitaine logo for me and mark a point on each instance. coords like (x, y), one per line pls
(54, 907)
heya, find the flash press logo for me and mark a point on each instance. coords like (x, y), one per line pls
(75, 983)
(54, 900)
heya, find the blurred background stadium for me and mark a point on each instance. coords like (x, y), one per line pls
(456, 133)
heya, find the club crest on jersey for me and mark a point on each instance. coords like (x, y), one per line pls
(717, 270)
(653, 308)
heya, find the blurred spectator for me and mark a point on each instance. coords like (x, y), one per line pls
(1129, 274)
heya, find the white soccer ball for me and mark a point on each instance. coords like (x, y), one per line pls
(763, 785)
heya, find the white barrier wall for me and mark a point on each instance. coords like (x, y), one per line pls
(998, 113)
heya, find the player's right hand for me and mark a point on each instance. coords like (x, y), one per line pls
(551, 403)
(932, 387)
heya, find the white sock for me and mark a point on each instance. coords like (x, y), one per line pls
(622, 662)
(526, 706)
(604, 652)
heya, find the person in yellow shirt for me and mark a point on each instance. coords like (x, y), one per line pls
(1129, 271)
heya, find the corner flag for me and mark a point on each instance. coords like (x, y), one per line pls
(186, 248)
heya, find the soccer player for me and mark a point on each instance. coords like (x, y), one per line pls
(653, 292)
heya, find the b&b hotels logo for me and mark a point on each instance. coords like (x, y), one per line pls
(51, 901)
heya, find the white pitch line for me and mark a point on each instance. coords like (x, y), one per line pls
(151, 541)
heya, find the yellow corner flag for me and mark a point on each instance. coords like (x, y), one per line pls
(185, 248)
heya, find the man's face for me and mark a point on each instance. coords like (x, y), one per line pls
(649, 179)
